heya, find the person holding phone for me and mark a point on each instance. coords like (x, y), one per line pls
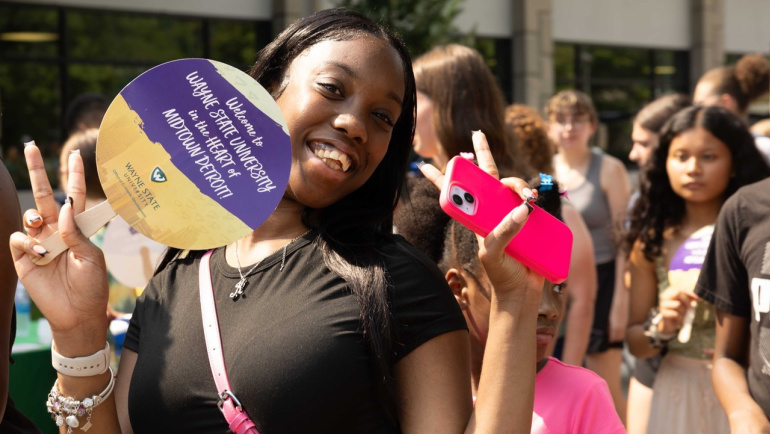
(704, 156)
(568, 399)
(343, 326)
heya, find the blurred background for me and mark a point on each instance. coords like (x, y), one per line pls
(623, 53)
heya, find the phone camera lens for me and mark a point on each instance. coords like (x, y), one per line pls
(457, 199)
(469, 197)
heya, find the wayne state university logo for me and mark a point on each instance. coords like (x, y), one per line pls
(158, 175)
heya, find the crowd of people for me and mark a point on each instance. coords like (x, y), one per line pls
(369, 310)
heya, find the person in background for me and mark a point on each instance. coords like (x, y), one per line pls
(735, 88)
(11, 420)
(705, 154)
(568, 399)
(737, 282)
(457, 93)
(598, 187)
(122, 298)
(531, 135)
(84, 143)
(645, 136)
(735, 277)
(85, 112)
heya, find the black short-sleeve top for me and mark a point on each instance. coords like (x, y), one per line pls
(294, 349)
(735, 276)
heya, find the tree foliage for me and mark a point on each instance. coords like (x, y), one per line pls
(422, 23)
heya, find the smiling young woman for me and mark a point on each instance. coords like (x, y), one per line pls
(341, 326)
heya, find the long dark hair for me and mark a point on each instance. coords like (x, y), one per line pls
(658, 206)
(350, 230)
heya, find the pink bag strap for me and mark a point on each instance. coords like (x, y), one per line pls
(228, 404)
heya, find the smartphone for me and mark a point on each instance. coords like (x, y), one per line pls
(479, 202)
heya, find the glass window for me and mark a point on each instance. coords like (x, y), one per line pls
(31, 109)
(49, 55)
(732, 58)
(564, 63)
(672, 71)
(498, 55)
(615, 63)
(237, 42)
(125, 37)
(617, 105)
(28, 32)
(108, 80)
(620, 80)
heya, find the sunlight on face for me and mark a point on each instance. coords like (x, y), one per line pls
(699, 166)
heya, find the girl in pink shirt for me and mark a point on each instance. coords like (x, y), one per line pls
(568, 399)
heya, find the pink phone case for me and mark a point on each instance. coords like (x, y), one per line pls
(544, 244)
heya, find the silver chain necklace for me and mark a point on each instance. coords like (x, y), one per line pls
(243, 282)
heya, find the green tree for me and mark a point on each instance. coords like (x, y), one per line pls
(422, 23)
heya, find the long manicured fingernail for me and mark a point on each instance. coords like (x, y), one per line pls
(33, 217)
(529, 194)
(420, 164)
(40, 250)
(521, 212)
(73, 154)
(70, 201)
(30, 143)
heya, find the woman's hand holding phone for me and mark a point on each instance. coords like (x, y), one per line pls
(507, 385)
(508, 276)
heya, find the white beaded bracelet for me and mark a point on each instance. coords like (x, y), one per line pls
(66, 410)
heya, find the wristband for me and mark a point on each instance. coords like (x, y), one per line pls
(94, 364)
(656, 338)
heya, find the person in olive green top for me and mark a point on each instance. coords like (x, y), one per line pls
(690, 175)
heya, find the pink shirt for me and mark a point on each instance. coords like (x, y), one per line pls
(569, 399)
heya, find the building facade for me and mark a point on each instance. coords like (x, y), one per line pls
(623, 53)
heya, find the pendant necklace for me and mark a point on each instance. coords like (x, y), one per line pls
(243, 282)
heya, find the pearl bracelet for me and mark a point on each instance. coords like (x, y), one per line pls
(66, 410)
